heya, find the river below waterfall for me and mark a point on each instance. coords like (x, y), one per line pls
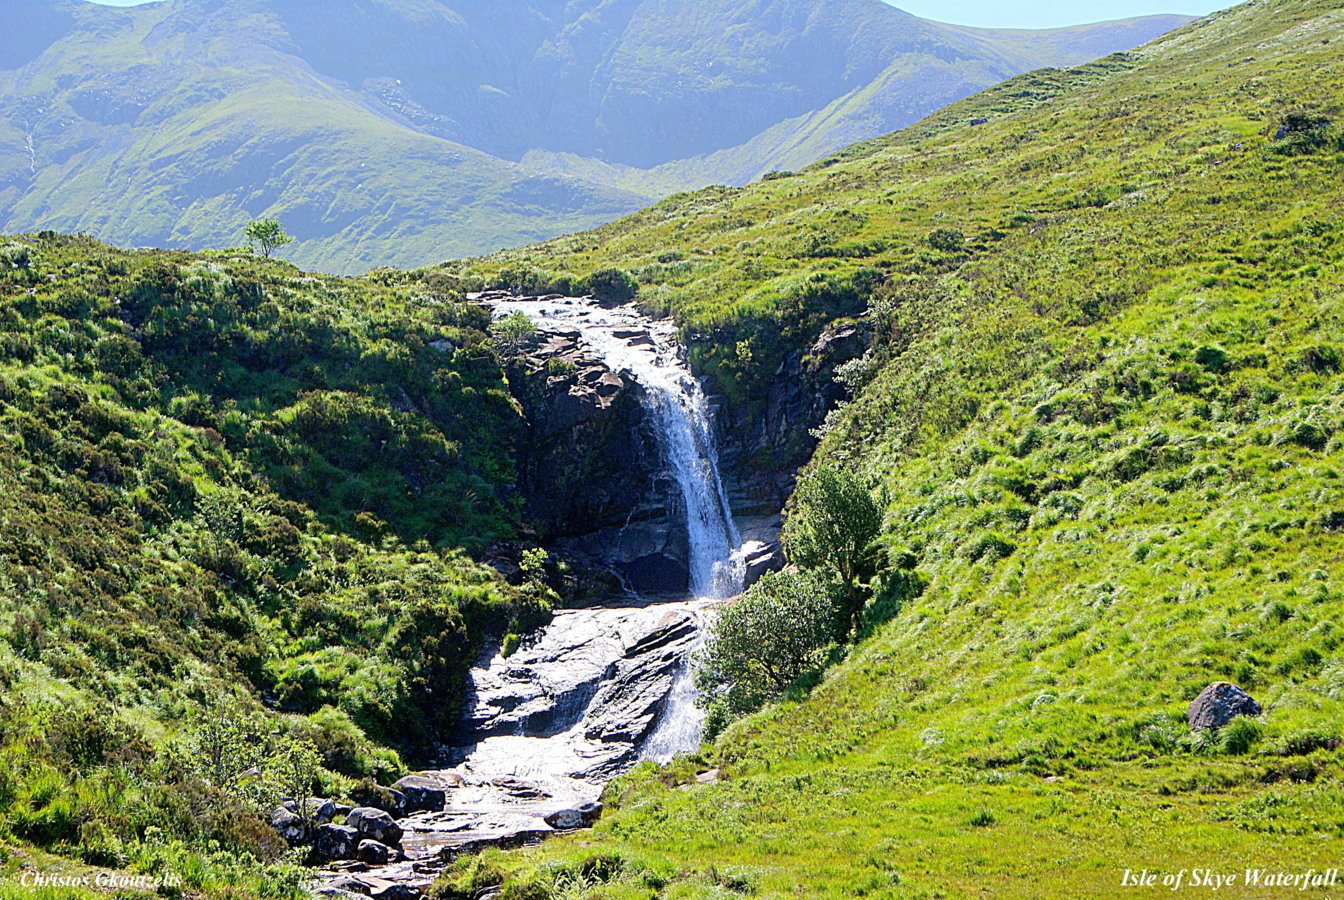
(598, 689)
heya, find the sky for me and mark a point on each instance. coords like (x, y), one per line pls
(1011, 13)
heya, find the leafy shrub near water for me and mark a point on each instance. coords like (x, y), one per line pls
(760, 645)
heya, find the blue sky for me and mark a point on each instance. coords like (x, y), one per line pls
(1013, 13)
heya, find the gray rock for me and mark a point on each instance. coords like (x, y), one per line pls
(342, 889)
(760, 559)
(1220, 703)
(290, 825)
(422, 794)
(394, 891)
(575, 817)
(565, 819)
(319, 811)
(612, 666)
(341, 811)
(374, 823)
(379, 797)
(333, 842)
(374, 853)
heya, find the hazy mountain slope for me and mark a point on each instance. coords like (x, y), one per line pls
(191, 128)
(1110, 430)
(410, 131)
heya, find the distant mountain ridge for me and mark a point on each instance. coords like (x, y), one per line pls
(409, 131)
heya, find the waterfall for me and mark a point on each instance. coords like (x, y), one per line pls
(599, 688)
(648, 351)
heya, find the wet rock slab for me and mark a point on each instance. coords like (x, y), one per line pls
(553, 723)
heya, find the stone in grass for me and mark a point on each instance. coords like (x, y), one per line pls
(375, 824)
(290, 825)
(1220, 703)
(579, 816)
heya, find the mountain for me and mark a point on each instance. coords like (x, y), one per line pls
(405, 132)
(1097, 389)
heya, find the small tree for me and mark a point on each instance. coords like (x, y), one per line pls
(759, 646)
(513, 333)
(834, 524)
(266, 234)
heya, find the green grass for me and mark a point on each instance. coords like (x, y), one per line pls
(158, 126)
(229, 488)
(1109, 433)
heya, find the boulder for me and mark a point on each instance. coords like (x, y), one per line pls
(565, 819)
(319, 811)
(341, 811)
(379, 797)
(390, 890)
(760, 559)
(332, 842)
(580, 816)
(374, 853)
(374, 823)
(1218, 704)
(422, 794)
(290, 825)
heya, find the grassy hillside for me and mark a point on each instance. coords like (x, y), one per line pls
(230, 493)
(1103, 402)
(404, 133)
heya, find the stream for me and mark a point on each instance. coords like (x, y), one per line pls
(590, 695)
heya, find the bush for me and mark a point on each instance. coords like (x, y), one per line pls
(948, 240)
(513, 334)
(834, 524)
(612, 286)
(1239, 736)
(1301, 133)
(759, 646)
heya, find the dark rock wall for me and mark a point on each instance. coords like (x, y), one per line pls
(591, 471)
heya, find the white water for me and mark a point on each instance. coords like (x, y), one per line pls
(647, 350)
(682, 724)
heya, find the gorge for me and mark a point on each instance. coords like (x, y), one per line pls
(599, 688)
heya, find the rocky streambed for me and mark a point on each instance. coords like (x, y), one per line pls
(549, 726)
(587, 697)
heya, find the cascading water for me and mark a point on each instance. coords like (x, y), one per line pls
(648, 351)
(599, 688)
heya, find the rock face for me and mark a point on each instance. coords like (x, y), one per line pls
(602, 673)
(1220, 703)
(760, 559)
(767, 437)
(590, 469)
